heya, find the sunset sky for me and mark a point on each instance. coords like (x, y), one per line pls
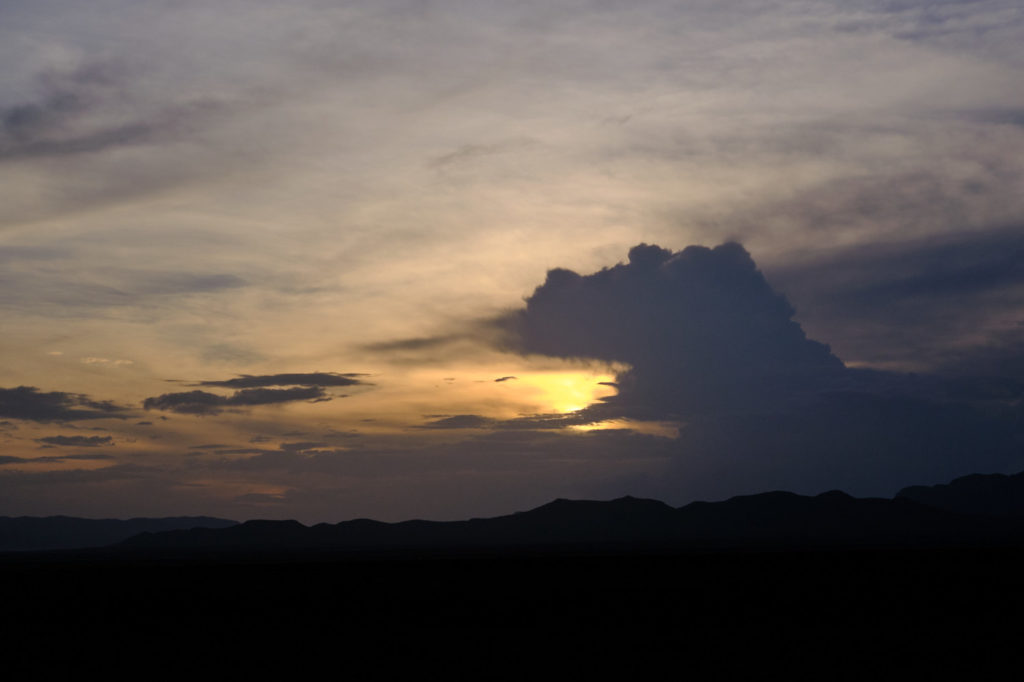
(427, 259)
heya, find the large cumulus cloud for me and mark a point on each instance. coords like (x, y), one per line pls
(710, 344)
(701, 328)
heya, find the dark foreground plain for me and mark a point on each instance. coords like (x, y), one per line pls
(831, 586)
(848, 609)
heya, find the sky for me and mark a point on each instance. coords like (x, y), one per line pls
(426, 259)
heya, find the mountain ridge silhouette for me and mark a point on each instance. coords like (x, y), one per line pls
(29, 533)
(774, 519)
(977, 509)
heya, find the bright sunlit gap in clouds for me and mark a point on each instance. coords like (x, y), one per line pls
(569, 391)
(507, 391)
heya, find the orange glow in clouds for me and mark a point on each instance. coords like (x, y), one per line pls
(567, 391)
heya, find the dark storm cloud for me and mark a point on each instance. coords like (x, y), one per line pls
(701, 328)
(714, 347)
(77, 441)
(866, 443)
(29, 403)
(306, 379)
(926, 302)
(202, 402)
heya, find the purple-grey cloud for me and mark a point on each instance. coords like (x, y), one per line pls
(31, 404)
(205, 403)
(77, 441)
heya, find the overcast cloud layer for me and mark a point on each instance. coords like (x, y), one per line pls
(276, 204)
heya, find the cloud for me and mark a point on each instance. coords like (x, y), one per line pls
(890, 303)
(501, 379)
(308, 379)
(466, 340)
(253, 391)
(711, 345)
(301, 446)
(83, 111)
(204, 403)
(29, 403)
(55, 459)
(74, 293)
(415, 344)
(77, 441)
(701, 328)
(12, 482)
(471, 152)
(105, 361)
(460, 421)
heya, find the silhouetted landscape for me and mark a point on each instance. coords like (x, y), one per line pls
(832, 572)
(66, 532)
(975, 510)
(339, 321)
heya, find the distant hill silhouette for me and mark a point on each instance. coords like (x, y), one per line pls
(767, 520)
(989, 494)
(67, 532)
(980, 509)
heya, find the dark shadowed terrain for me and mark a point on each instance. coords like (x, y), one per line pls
(777, 575)
(66, 532)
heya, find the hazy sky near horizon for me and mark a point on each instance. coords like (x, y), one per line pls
(281, 260)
